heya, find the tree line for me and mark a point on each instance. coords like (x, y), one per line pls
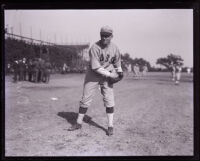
(164, 62)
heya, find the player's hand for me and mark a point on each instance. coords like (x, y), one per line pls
(113, 75)
(115, 79)
(121, 75)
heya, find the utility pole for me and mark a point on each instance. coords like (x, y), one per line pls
(55, 38)
(40, 36)
(20, 29)
(12, 32)
(31, 32)
(31, 36)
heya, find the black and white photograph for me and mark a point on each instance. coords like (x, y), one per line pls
(99, 82)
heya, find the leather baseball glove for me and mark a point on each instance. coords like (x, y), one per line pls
(117, 79)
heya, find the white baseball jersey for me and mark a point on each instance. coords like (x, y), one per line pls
(108, 57)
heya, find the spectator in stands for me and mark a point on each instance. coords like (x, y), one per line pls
(30, 70)
(35, 70)
(41, 69)
(47, 71)
(8, 69)
(21, 70)
(16, 71)
(25, 68)
(64, 69)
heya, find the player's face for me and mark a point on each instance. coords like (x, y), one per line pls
(106, 38)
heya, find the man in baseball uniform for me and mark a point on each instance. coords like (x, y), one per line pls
(136, 70)
(178, 74)
(105, 65)
(173, 71)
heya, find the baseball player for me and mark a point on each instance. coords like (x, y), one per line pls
(189, 70)
(104, 70)
(128, 69)
(136, 70)
(173, 71)
(178, 74)
(144, 70)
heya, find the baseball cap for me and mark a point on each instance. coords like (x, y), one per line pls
(106, 30)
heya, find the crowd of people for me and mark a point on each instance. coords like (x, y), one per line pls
(39, 70)
(78, 69)
(136, 70)
(33, 70)
(139, 71)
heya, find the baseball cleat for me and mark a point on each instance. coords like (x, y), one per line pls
(177, 83)
(75, 127)
(110, 131)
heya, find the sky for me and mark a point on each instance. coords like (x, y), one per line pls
(143, 33)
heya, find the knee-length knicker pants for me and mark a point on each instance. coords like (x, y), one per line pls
(92, 82)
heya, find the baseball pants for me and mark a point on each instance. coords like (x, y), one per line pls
(91, 84)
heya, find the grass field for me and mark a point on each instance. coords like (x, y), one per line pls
(153, 116)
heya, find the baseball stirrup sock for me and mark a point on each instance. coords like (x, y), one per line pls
(109, 109)
(110, 119)
(80, 118)
(82, 110)
(81, 115)
(110, 114)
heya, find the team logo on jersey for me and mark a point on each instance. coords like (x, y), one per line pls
(106, 58)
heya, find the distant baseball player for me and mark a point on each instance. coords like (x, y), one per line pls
(128, 69)
(144, 70)
(104, 70)
(136, 70)
(64, 68)
(189, 70)
(173, 71)
(178, 74)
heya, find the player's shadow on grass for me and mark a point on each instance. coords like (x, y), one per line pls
(72, 116)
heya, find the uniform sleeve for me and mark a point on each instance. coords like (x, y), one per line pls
(95, 62)
(117, 60)
(103, 72)
(94, 58)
